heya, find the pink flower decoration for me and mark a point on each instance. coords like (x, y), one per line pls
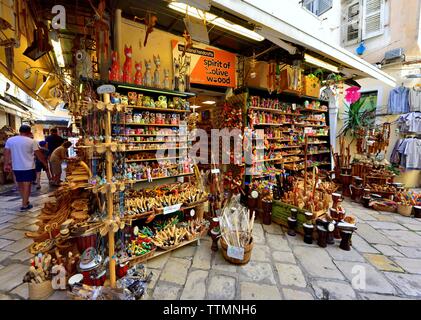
(353, 94)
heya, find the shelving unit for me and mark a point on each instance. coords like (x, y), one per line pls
(290, 111)
(113, 135)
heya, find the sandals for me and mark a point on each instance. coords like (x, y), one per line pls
(28, 207)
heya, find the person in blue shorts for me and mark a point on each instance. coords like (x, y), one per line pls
(19, 154)
(39, 165)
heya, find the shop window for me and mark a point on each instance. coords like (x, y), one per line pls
(361, 20)
(317, 7)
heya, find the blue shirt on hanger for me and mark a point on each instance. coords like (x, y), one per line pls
(399, 100)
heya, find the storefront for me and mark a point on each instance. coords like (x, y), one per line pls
(184, 140)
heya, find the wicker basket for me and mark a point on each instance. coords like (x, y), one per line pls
(40, 291)
(382, 207)
(404, 210)
(247, 253)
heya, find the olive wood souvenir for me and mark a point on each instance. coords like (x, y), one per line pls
(322, 236)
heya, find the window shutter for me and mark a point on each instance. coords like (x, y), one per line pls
(351, 31)
(373, 22)
(324, 5)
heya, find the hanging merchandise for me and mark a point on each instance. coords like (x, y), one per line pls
(410, 123)
(415, 99)
(398, 100)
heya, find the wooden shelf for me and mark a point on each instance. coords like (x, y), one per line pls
(292, 161)
(287, 147)
(159, 109)
(314, 110)
(275, 111)
(272, 124)
(160, 178)
(278, 139)
(319, 152)
(323, 142)
(149, 124)
(133, 87)
(310, 125)
(152, 159)
(149, 135)
(156, 149)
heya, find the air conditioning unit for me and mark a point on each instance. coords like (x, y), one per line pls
(394, 54)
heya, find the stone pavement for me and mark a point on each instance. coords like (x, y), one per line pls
(386, 249)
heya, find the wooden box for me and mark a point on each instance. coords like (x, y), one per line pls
(311, 87)
(282, 211)
(291, 81)
(261, 79)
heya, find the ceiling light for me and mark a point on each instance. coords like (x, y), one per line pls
(208, 102)
(55, 42)
(215, 20)
(317, 62)
(43, 84)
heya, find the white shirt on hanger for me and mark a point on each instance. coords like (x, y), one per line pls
(413, 154)
(415, 99)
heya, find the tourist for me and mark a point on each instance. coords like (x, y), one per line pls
(56, 159)
(39, 166)
(19, 154)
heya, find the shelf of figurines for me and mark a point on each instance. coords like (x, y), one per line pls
(140, 88)
(294, 94)
(134, 101)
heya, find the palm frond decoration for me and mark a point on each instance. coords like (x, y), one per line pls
(357, 116)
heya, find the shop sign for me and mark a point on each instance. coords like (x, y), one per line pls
(209, 66)
(235, 252)
(173, 208)
(105, 88)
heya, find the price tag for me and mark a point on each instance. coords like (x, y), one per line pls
(235, 252)
(173, 208)
(105, 88)
(215, 171)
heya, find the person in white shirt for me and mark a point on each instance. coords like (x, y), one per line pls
(19, 155)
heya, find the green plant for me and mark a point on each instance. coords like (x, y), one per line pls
(393, 170)
(357, 117)
(316, 75)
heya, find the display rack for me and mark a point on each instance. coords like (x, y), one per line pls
(292, 128)
(126, 144)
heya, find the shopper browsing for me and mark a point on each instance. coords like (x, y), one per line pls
(19, 154)
(56, 159)
(39, 166)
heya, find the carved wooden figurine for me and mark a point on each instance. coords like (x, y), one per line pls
(58, 282)
(166, 79)
(147, 79)
(156, 78)
(127, 67)
(138, 77)
(115, 67)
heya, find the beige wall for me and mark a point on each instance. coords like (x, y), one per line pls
(402, 23)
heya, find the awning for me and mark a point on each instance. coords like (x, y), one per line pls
(14, 109)
(275, 29)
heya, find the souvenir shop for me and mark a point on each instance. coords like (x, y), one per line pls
(151, 174)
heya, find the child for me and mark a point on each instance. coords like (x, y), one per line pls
(43, 147)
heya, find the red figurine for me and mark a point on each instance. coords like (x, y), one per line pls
(138, 77)
(115, 67)
(127, 67)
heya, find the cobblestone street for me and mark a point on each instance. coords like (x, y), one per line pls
(387, 245)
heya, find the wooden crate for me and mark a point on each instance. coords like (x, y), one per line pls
(282, 211)
(287, 81)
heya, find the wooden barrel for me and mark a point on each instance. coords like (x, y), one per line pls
(247, 253)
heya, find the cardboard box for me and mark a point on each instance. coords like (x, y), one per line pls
(311, 86)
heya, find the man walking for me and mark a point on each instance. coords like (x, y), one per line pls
(53, 140)
(19, 154)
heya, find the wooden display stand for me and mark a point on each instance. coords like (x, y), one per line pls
(282, 211)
